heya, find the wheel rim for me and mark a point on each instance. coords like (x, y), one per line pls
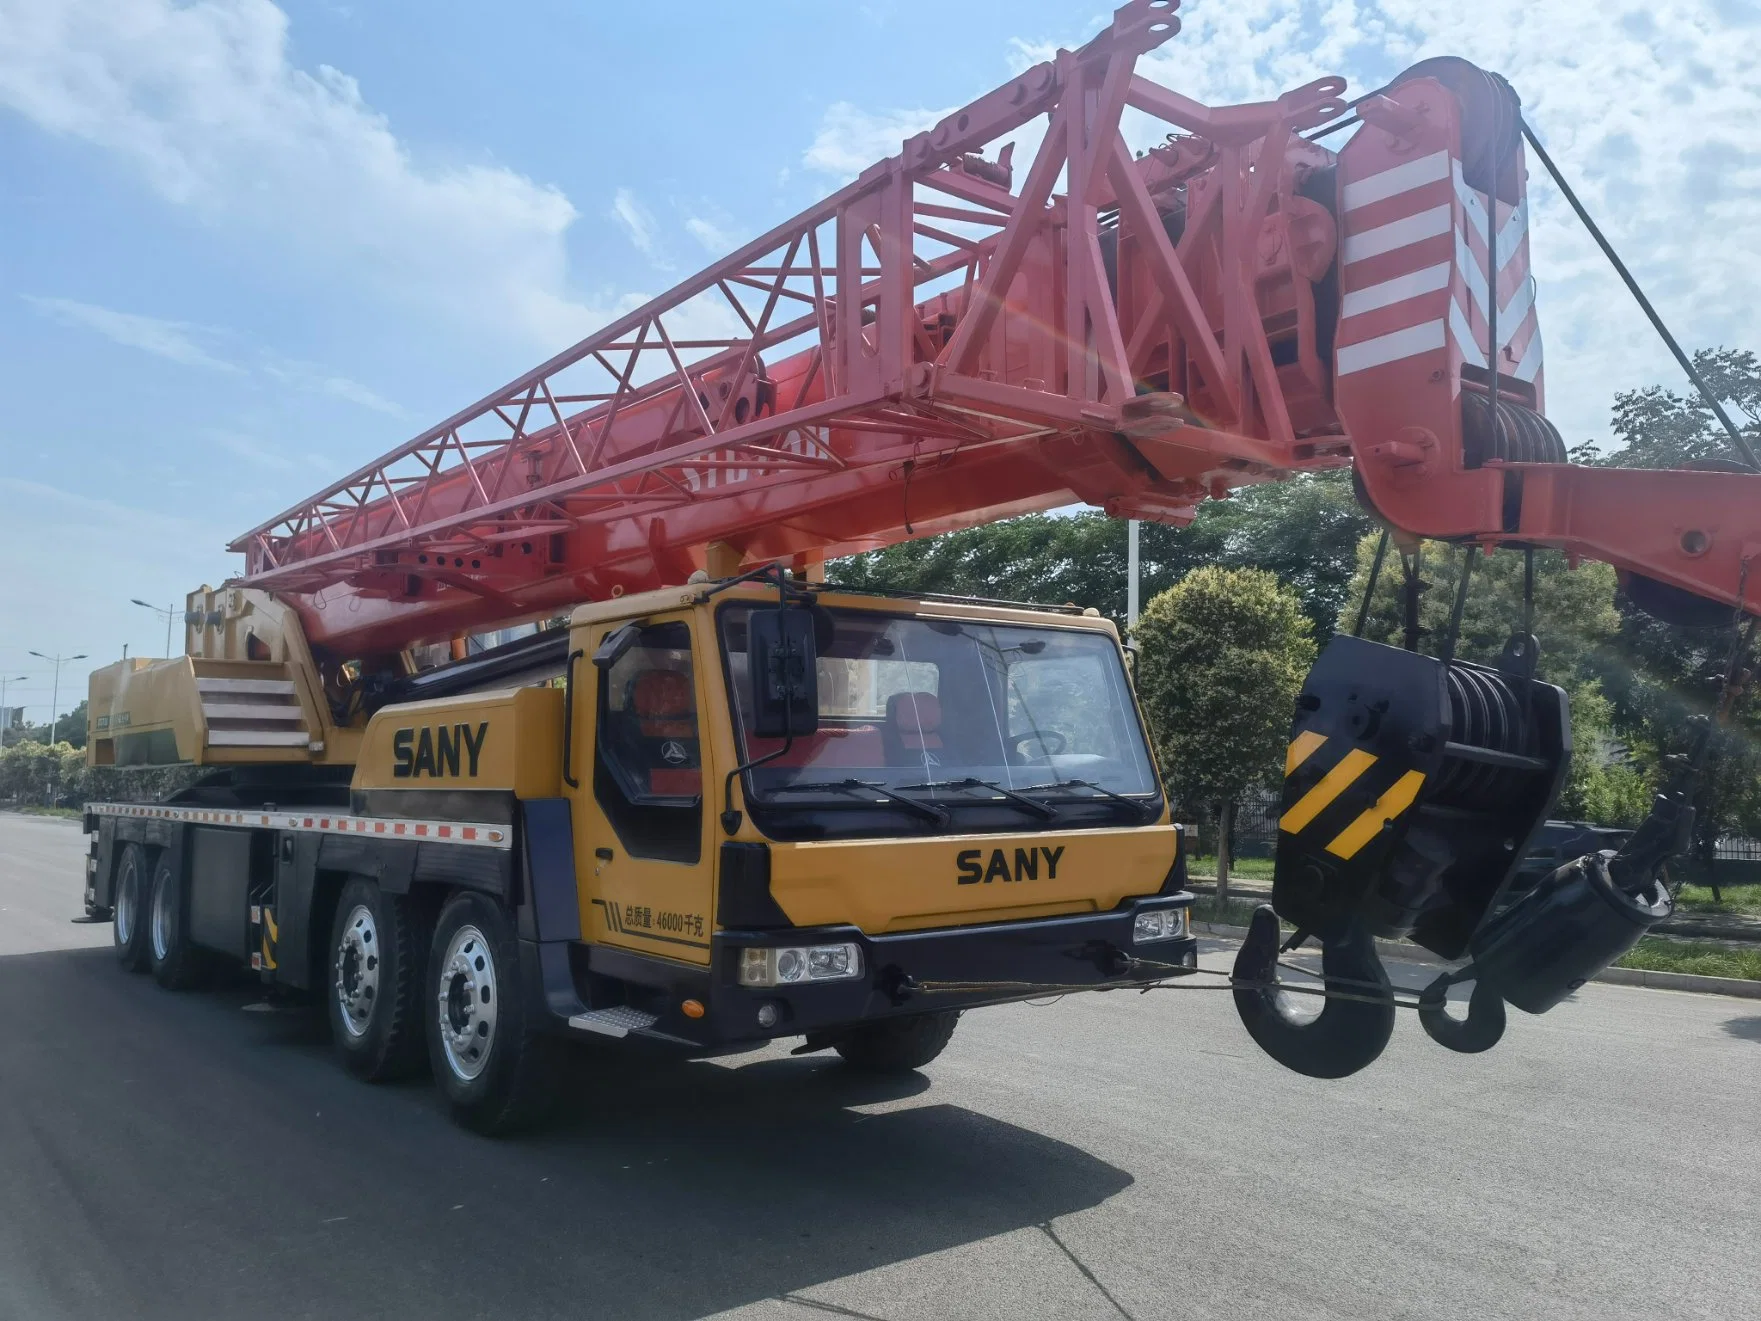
(125, 908)
(357, 970)
(161, 923)
(467, 1003)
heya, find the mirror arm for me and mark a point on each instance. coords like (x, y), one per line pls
(730, 818)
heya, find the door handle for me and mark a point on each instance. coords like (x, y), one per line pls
(569, 719)
(604, 855)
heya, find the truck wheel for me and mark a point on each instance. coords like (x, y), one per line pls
(177, 964)
(128, 906)
(492, 1060)
(376, 948)
(899, 1045)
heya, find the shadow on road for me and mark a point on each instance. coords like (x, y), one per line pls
(1748, 1029)
(181, 1157)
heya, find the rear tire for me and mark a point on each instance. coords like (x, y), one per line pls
(899, 1045)
(177, 964)
(377, 945)
(128, 908)
(492, 1060)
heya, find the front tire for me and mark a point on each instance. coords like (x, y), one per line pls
(899, 1045)
(377, 944)
(175, 962)
(128, 908)
(491, 1059)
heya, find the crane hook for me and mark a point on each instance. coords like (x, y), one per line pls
(1479, 1031)
(1347, 1034)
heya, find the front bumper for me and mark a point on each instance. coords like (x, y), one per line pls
(901, 974)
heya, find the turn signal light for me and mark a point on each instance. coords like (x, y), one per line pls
(692, 1009)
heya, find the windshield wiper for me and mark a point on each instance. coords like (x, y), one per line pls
(1137, 803)
(1039, 809)
(929, 811)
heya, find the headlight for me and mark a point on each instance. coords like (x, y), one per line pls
(809, 963)
(1158, 924)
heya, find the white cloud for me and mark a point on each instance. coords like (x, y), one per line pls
(172, 340)
(1646, 107)
(314, 378)
(635, 219)
(175, 341)
(714, 239)
(850, 139)
(204, 103)
(249, 448)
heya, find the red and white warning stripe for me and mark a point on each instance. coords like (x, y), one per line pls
(1414, 258)
(474, 833)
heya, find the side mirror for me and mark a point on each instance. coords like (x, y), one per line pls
(785, 681)
(614, 645)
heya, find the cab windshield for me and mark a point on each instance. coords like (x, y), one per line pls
(953, 723)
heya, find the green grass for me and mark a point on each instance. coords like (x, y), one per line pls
(1736, 899)
(1658, 954)
(1232, 913)
(65, 813)
(1241, 869)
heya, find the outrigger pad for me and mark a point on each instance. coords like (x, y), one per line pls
(1411, 790)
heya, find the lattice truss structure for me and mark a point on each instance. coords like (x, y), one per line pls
(936, 344)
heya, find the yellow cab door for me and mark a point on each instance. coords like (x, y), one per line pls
(644, 860)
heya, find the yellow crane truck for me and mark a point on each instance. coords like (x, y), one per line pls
(729, 803)
(692, 816)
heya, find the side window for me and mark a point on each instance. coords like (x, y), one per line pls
(647, 774)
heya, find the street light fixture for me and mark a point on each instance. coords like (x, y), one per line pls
(55, 687)
(170, 614)
(4, 680)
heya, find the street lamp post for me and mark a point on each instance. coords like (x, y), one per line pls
(4, 680)
(54, 700)
(170, 613)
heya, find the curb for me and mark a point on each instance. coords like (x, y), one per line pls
(1740, 987)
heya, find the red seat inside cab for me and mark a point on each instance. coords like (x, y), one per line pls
(666, 726)
(911, 728)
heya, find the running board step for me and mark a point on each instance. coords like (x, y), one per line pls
(619, 1021)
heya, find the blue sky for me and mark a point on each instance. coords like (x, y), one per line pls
(244, 248)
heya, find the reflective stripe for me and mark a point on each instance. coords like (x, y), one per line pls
(1470, 203)
(477, 833)
(1527, 369)
(1400, 179)
(1471, 353)
(1332, 784)
(1513, 312)
(1302, 747)
(1471, 274)
(1397, 290)
(1389, 348)
(1370, 821)
(1516, 224)
(1398, 234)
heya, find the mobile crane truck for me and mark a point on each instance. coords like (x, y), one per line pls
(728, 802)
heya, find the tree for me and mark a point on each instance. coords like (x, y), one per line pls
(1224, 654)
(1658, 676)
(1303, 530)
(1659, 428)
(1577, 625)
(70, 726)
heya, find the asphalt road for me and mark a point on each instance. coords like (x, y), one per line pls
(1106, 1156)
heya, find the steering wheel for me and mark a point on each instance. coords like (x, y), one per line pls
(1050, 741)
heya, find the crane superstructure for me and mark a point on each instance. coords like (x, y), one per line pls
(1016, 312)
